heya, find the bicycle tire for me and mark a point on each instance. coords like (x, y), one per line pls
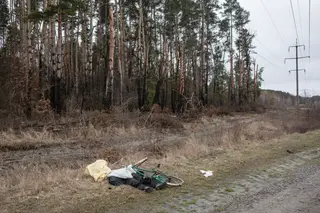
(174, 181)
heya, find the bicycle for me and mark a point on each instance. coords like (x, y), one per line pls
(160, 179)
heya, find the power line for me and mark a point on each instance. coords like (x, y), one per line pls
(266, 47)
(300, 19)
(294, 19)
(269, 61)
(274, 25)
(309, 26)
(295, 24)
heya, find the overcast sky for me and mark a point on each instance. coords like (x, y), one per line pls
(275, 50)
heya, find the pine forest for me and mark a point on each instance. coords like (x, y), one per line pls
(97, 55)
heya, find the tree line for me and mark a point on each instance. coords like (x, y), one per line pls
(99, 54)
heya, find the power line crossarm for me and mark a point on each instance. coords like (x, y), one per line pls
(297, 70)
(295, 58)
(294, 46)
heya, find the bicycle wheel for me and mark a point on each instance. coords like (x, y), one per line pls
(174, 181)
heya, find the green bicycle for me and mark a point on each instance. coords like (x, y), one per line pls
(160, 179)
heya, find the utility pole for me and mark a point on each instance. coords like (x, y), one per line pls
(297, 58)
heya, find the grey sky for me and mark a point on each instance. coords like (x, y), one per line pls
(273, 49)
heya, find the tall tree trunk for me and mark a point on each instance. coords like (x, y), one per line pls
(59, 66)
(162, 68)
(145, 62)
(121, 51)
(24, 51)
(84, 68)
(77, 62)
(66, 58)
(29, 63)
(119, 42)
(43, 56)
(47, 62)
(164, 71)
(248, 78)
(255, 89)
(231, 84)
(106, 56)
(139, 50)
(99, 43)
(53, 59)
(71, 46)
(201, 75)
(84, 40)
(111, 57)
(182, 70)
(207, 64)
(48, 57)
(181, 80)
(175, 68)
(194, 72)
(90, 52)
(241, 82)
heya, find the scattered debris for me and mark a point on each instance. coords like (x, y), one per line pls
(130, 176)
(98, 170)
(206, 173)
(123, 173)
(144, 179)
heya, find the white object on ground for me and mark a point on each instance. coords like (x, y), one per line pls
(123, 173)
(206, 173)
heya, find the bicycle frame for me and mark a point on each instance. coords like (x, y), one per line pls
(158, 176)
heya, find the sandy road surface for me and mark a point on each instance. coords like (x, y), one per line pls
(302, 196)
(289, 185)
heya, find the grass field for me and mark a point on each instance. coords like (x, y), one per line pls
(42, 169)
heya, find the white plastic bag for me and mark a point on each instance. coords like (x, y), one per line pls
(206, 173)
(123, 173)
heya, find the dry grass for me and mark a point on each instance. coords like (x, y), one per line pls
(197, 141)
(301, 121)
(95, 126)
(11, 136)
(221, 111)
(31, 138)
(165, 121)
(47, 183)
(34, 183)
(48, 189)
(192, 148)
(215, 131)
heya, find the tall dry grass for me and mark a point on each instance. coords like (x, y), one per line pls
(46, 137)
(204, 138)
(44, 182)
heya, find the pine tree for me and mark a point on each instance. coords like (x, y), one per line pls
(230, 6)
(4, 19)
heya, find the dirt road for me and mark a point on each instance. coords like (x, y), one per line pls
(301, 196)
(289, 185)
(299, 193)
